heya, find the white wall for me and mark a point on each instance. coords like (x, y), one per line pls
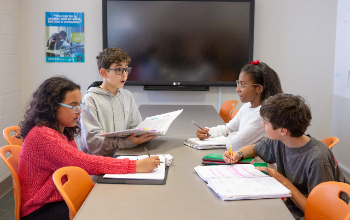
(296, 38)
(10, 87)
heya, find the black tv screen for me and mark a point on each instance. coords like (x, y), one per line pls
(181, 43)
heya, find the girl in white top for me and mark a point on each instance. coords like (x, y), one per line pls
(257, 81)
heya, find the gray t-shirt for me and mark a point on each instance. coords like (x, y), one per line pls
(305, 167)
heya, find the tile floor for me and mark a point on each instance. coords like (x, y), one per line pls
(7, 206)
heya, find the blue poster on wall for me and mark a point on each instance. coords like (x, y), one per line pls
(64, 37)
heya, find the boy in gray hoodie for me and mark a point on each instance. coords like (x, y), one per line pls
(107, 107)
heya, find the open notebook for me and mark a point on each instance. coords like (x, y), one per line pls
(241, 181)
(157, 125)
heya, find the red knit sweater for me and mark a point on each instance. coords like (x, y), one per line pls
(44, 151)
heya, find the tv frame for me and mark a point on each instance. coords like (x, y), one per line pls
(186, 85)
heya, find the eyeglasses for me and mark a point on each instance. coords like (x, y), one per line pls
(120, 71)
(241, 86)
(76, 109)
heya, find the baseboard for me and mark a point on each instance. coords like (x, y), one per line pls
(5, 186)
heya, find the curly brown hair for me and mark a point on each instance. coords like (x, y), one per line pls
(41, 111)
(287, 111)
(264, 75)
(111, 55)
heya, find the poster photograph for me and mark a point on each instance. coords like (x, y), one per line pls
(64, 37)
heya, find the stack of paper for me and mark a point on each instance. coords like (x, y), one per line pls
(209, 143)
(241, 181)
(157, 125)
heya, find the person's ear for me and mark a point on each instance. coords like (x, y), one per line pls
(103, 73)
(259, 89)
(284, 131)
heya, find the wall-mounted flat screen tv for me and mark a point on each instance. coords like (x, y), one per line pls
(181, 44)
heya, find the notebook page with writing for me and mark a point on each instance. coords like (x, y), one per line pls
(228, 171)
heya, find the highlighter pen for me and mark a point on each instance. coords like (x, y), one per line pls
(231, 153)
(200, 127)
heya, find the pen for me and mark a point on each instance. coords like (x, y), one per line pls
(147, 151)
(200, 127)
(231, 153)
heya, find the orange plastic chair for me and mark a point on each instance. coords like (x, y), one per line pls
(12, 140)
(330, 141)
(76, 189)
(235, 113)
(226, 110)
(324, 202)
(12, 164)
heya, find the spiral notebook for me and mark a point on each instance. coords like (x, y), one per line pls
(209, 143)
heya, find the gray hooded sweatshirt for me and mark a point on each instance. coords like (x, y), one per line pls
(103, 112)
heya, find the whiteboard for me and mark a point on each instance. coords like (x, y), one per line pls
(342, 51)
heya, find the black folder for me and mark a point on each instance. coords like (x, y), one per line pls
(100, 179)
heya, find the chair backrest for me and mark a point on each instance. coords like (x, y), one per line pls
(76, 189)
(12, 140)
(226, 110)
(330, 141)
(324, 202)
(12, 164)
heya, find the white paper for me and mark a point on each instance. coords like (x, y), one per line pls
(209, 143)
(157, 125)
(248, 188)
(241, 181)
(156, 174)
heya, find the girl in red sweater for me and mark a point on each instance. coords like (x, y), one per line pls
(48, 130)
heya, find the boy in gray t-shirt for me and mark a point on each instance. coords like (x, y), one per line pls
(302, 161)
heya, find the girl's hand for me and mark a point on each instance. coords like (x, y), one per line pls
(147, 165)
(202, 134)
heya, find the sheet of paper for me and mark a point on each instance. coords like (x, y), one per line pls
(228, 171)
(248, 188)
(156, 174)
(221, 140)
(159, 123)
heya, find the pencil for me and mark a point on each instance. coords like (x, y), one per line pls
(231, 153)
(200, 127)
(147, 151)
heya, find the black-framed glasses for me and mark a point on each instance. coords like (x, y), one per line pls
(120, 71)
(241, 86)
(76, 109)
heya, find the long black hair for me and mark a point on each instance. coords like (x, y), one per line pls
(42, 109)
(264, 75)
